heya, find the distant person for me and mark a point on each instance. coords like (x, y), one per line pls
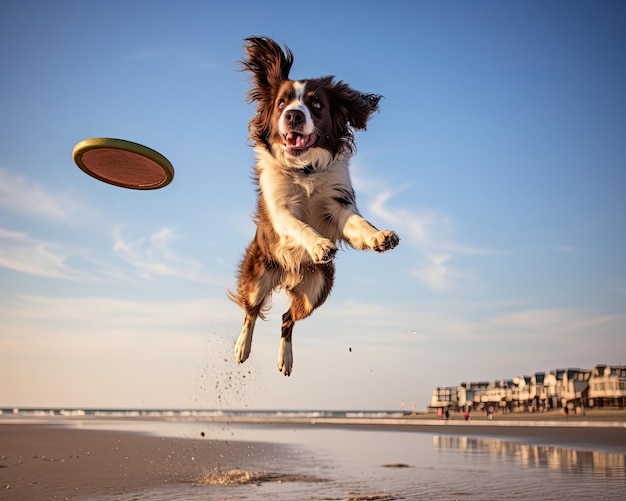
(466, 415)
(447, 414)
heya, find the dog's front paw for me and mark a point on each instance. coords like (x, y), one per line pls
(323, 252)
(384, 240)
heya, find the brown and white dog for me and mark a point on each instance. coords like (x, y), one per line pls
(303, 139)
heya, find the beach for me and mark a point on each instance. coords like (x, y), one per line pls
(290, 457)
(55, 462)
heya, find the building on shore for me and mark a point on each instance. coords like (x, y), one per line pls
(575, 390)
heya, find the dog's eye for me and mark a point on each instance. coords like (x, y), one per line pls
(317, 104)
(281, 103)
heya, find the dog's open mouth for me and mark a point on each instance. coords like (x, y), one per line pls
(297, 143)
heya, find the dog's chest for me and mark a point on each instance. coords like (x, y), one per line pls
(300, 185)
(309, 183)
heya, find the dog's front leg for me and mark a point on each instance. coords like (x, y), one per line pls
(361, 234)
(303, 235)
(319, 248)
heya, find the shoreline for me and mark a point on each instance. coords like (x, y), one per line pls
(602, 431)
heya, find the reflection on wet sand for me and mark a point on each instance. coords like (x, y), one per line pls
(556, 458)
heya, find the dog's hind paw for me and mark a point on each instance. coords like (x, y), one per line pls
(243, 346)
(384, 240)
(285, 357)
(323, 252)
(242, 352)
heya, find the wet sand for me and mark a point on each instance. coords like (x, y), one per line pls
(39, 462)
(44, 461)
(590, 438)
(594, 431)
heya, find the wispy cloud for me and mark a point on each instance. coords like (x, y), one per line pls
(23, 253)
(431, 232)
(108, 312)
(26, 252)
(23, 196)
(435, 271)
(153, 256)
(541, 322)
(164, 347)
(474, 329)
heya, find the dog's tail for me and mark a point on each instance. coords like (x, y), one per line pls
(247, 307)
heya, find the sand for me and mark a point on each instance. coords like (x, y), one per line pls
(46, 461)
(604, 439)
(40, 462)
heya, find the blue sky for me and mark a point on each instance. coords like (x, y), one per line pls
(498, 157)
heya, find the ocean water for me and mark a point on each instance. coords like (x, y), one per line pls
(322, 463)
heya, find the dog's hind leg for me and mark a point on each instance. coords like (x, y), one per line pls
(305, 297)
(243, 346)
(256, 281)
(285, 352)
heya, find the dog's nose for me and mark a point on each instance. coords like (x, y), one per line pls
(294, 117)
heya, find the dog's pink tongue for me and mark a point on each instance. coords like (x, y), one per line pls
(296, 140)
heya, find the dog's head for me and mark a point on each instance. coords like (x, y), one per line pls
(301, 121)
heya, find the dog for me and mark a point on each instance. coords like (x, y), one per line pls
(303, 139)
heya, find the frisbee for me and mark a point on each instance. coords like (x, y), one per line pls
(123, 163)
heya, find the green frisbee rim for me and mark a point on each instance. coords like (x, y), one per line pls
(126, 164)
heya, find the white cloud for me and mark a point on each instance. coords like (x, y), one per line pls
(17, 236)
(25, 196)
(23, 253)
(152, 256)
(538, 322)
(435, 272)
(66, 326)
(178, 346)
(20, 251)
(103, 351)
(476, 331)
(430, 232)
(103, 313)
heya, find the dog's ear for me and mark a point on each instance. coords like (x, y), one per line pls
(269, 65)
(351, 111)
(359, 106)
(366, 107)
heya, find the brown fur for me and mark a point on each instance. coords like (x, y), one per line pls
(303, 139)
